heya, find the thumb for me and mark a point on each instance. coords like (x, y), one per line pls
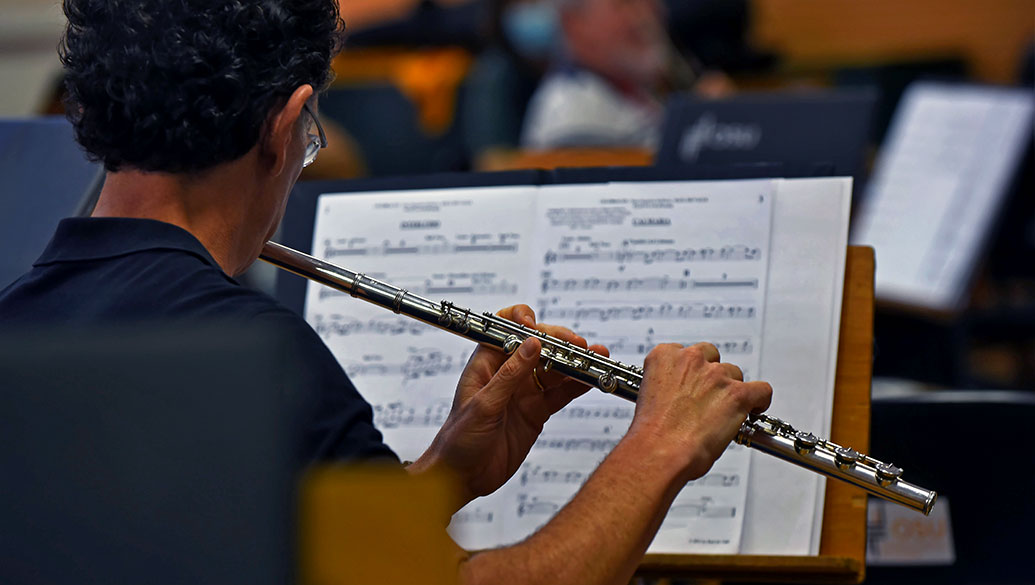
(514, 371)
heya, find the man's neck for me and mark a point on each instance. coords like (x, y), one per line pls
(213, 206)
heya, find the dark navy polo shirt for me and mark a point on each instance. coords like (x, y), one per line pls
(98, 271)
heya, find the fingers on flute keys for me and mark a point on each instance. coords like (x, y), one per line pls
(754, 396)
(524, 315)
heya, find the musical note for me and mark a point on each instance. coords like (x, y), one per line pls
(535, 506)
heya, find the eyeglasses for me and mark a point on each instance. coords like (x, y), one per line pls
(316, 142)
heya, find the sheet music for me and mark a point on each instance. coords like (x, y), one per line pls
(631, 270)
(466, 246)
(937, 188)
(784, 511)
(626, 270)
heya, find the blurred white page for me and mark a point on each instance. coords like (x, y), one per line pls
(941, 178)
(799, 357)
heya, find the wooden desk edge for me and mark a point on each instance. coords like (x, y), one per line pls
(796, 569)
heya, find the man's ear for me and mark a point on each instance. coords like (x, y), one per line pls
(282, 126)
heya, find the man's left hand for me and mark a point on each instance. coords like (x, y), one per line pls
(499, 410)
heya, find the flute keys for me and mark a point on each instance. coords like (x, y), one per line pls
(846, 457)
(888, 474)
(511, 344)
(607, 382)
(805, 442)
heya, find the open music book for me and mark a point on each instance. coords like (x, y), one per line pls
(754, 266)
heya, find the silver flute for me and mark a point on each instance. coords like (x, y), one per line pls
(764, 433)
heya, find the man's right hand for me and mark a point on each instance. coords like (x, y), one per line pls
(689, 408)
(691, 402)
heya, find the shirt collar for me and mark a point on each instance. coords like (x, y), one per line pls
(93, 238)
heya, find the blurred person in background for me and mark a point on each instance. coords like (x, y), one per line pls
(521, 38)
(605, 89)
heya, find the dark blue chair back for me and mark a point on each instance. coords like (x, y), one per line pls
(45, 176)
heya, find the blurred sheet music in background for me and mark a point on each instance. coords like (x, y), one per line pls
(937, 189)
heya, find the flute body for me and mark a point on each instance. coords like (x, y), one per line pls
(764, 433)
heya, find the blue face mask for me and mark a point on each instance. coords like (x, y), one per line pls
(531, 28)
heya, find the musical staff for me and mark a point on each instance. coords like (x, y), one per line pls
(442, 285)
(475, 516)
(661, 311)
(398, 414)
(654, 283)
(335, 325)
(477, 243)
(577, 412)
(538, 474)
(714, 479)
(735, 253)
(590, 445)
(642, 346)
(701, 508)
(421, 363)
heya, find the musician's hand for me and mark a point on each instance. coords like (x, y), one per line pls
(692, 403)
(499, 410)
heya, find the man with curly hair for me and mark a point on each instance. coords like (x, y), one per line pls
(203, 114)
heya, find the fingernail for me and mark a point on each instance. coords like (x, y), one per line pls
(527, 348)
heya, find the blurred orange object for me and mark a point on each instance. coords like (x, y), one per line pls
(565, 157)
(367, 525)
(430, 78)
(990, 35)
(360, 14)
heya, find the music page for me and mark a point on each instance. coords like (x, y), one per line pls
(629, 271)
(465, 246)
(622, 269)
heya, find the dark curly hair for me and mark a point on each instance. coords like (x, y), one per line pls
(183, 85)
